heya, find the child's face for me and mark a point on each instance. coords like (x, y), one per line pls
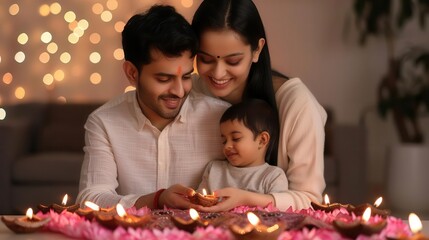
(240, 146)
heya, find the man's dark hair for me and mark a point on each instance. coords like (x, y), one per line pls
(160, 28)
(258, 116)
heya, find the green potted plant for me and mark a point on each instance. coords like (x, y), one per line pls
(403, 91)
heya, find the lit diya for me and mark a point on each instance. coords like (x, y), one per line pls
(123, 219)
(59, 208)
(27, 224)
(191, 223)
(255, 230)
(329, 207)
(416, 227)
(91, 209)
(206, 200)
(360, 226)
(360, 209)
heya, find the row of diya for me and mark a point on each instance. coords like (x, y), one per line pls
(252, 229)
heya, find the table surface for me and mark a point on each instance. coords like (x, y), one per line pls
(6, 233)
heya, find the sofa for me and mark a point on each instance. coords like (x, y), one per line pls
(41, 156)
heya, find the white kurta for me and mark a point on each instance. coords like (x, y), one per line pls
(126, 156)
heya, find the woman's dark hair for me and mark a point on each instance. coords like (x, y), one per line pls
(242, 17)
(258, 116)
(161, 28)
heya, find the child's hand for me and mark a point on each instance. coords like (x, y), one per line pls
(231, 198)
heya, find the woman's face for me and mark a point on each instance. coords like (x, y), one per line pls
(224, 62)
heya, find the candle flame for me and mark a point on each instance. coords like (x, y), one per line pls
(120, 210)
(204, 192)
(415, 223)
(378, 201)
(367, 214)
(29, 213)
(92, 205)
(253, 219)
(194, 214)
(327, 199)
(65, 199)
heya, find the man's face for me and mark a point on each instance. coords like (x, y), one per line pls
(163, 85)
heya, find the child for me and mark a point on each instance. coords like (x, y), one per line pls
(249, 131)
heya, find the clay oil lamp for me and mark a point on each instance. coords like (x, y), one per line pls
(255, 230)
(329, 207)
(59, 208)
(91, 209)
(27, 224)
(189, 223)
(375, 210)
(204, 199)
(122, 219)
(416, 227)
(360, 226)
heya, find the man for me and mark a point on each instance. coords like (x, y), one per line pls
(162, 134)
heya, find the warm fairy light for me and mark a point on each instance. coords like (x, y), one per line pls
(119, 26)
(106, 16)
(55, 8)
(366, 215)
(120, 210)
(194, 214)
(187, 3)
(118, 54)
(415, 223)
(52, 48)
(95, 78)
(204, 192)
(253, 219)
(95, 57)
(97, 8)
(44, 57)
(78, 31)
(14, 9)
(48, 79)
(69, 16)
(65, 198)
(92, 205)
(73, 38)
(7, 78)
(327, 199)
(20, 92)
(19, 57)
(73, 25)
(61, 99)
(44, 10)
(46, 37)
(2, 114)
(29, 213)
(22, 38)
(378, 201)
(94, 38)
(112, 4)
(83, 24)
(65, 57)
(59, 75)
(129, 88)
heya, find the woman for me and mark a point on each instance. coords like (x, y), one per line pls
(233, 63)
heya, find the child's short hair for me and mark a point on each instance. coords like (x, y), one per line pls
(258, 116)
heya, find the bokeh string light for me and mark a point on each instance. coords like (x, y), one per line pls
(61, 50)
